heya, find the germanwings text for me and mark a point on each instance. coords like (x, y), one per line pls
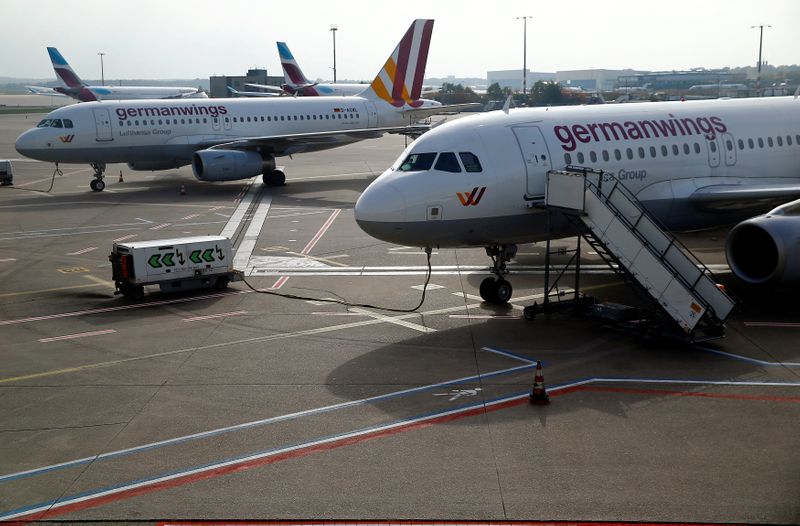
(571, 135)
(170, 111)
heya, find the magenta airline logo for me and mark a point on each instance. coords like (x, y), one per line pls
(571, 135)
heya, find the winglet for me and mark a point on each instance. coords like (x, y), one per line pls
(399, 82)
(63, 70)
(507, 105)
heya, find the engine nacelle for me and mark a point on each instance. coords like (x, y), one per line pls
(229, 165)
(153, 166)
(766, 249)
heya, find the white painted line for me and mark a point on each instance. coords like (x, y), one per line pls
(213, 316)
(242, 257)
(431, 286)
(393, 320)
(190, 216)
(84, 251)
(238, 215)
(123, 238)
(310, 246)
(483, 317)
(6, 260)
(159, 227)
(74, 336)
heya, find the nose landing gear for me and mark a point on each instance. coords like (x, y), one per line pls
(496, 289)
(97, 184)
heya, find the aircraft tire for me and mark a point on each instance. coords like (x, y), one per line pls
(97, 185)
(274, 178)
(502, 292)
(486, 289)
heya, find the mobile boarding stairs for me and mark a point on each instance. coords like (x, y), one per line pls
(688, 303)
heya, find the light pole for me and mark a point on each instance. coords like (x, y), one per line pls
(524, 53)
(760, 43)
(102, 73)
(333, 32)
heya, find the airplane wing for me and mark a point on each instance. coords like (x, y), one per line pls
(421, 113)
(266, 87)
(739, 197)
(297, 142)
(38, 90)
(251, 93)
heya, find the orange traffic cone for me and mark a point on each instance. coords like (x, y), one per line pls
(539, 395)
(120, 177)
(183, 189)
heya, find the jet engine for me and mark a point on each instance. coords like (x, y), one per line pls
(153, 166)
(766, 249)
(229, 165)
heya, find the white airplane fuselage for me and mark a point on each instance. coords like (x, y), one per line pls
(172, 130)
(663, 152)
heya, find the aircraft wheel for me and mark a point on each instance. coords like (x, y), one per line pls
(486, 289)
(274, 178)
(97, 185)
(502, 291)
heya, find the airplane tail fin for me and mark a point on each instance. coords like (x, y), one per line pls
(63, 70)
(399, 82)
(291, 71)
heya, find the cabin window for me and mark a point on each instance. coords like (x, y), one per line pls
(152, 122)
(751, 144)
(697, 147)
(780, 140)
(248, 119)
(605, 155)
(567, 159)
(617, 154)
(580, 158)
(664, 151)
(295, 117)
(418, 162)
(122, 123)
(234, 119)
(741, 144)
(160, 123)
(136, 123)
(327, 116)
(769, 142)
(797, 138)
(760, 142)
(68, 123)
(729, 145)
(629, 153)
(471, 162)
(70, 126)
(788, 138)
(686, 149)
(653, 152)
(593, 156)
(447, 162)
(641, 152)
(301, 117)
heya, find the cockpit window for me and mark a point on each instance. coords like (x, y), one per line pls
(418, 162)
(447, 162)
(471, 162)
(44, 123)
(56, 123)
(67, 123)
(53, 123)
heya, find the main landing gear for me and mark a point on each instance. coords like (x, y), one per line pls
(97, 184)
(496, 289)
(274, 178)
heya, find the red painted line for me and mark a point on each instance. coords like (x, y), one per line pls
(660, 392)
(74, 336)
(280, 283)
(321, 232)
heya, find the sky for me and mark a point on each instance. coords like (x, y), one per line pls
(156, 39)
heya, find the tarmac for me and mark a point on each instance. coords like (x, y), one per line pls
(245, 405)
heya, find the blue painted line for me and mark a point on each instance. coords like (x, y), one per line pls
(258, 423)
(510, 354)
(750, 360)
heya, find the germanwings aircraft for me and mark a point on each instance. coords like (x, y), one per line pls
(692, 165)
(229, 139)
(77, 89)
(297, 83)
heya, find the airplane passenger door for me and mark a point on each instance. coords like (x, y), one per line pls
(102, 123)
(536, 158)
(713, 153)
(226, 121)
(372, 115)
(730, 149)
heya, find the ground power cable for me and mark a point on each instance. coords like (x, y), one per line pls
(428, 273)
(56, 171)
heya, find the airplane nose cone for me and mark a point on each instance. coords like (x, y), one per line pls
(381, 210)
(25, 144)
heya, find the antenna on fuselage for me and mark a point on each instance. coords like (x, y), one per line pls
(507, 105)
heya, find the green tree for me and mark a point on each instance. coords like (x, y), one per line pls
(547, 93)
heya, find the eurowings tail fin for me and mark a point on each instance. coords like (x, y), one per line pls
(399, 82)
(63, 70)
(291, 71)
